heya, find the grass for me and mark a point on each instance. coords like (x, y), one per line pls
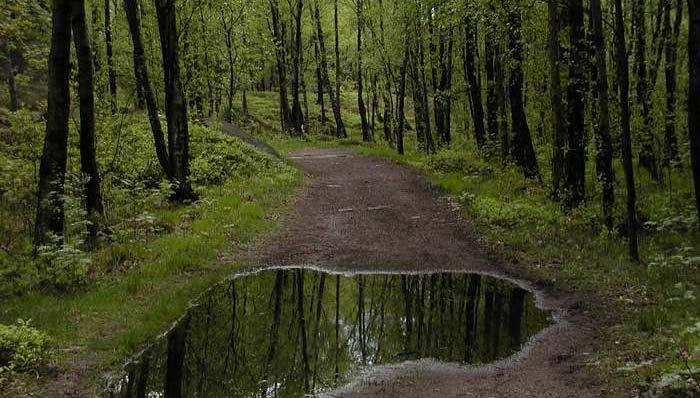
(109, 321)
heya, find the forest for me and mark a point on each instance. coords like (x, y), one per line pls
(152, 151)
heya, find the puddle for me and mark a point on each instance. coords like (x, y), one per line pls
(291, 332)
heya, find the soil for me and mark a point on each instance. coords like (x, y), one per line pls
(363, 214)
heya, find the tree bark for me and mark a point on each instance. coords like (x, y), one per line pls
(492, 131)
(334, 96)
(360, 83)
(340, 128)
(111, 73)
(575, 153)
(694, 94)
(52, 169)
(11, 82)
(470, 76)
(670, 74)
(604, 167)
(281, 56)
(175, 103)
(623, 84)
(88, 157)
(558, 126)
(143, 80)
(522, 150)
(297, 113)
(402, 97)
(647, 158)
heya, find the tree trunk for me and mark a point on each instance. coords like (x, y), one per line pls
(623, 83)
(671, 55)
(501, 100)
(604, 167)
(491, 98)
(175, 103)
(143, 80)
(647, 158)
(558, 126)
(522, 150)
(297, 113)
(694, 94)
(52, 169)
(11, 82)
(88, 160)
(402, 97)
(281, 56)
(340, 128)
(575, 153)
(335, 100)
(470, 76)
(319, 81)
(111, 73)
(360, 83)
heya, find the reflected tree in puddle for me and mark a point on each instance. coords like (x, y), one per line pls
(291, 332)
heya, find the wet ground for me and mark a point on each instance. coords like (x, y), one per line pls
(294, 332)
(366, 215)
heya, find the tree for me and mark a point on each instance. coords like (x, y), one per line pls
(334, 95)
(671, 57)
(523, 151)
(604, 166)
(340, 127)
(474, 86)
(360, 83)
(297, 114)
(281, 58)
(694, 94)
(52, 169)
(622, 65)
(111, 72)
(175, 103)
(575, 153)
(558, 126)
(88, 160)
(143, 81)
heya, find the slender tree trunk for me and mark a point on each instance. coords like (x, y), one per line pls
(52, 169)
(297, 113)
(558, 126)
(402, 97)
(334, 96)
(492, 131)
(470, 76)
(175, 102)
(281, 55)
(671, 55)
(604, 167)
(575, 153)
(11, 82)
(88, 158)
(337, 48)
(694, 94)
(522, 150)
(623, 83)
(647, 158)
(143, 80)
(111, 72)
(360, 83)
(175, 364)
(501, 99)
(319, 80)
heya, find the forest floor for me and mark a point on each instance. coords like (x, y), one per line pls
(367, 214)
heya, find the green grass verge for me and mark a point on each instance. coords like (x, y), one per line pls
(109, 321)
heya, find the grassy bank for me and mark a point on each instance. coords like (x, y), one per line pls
(159, 258)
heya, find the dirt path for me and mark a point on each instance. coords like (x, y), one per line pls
(365, 214)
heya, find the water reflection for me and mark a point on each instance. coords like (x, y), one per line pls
(285, 333)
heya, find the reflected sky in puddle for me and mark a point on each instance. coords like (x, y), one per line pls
(287, 332)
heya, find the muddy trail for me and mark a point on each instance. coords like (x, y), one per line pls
(363, 214)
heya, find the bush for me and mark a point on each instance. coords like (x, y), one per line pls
(23, 347)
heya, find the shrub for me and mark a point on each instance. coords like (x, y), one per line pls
(23, 347)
